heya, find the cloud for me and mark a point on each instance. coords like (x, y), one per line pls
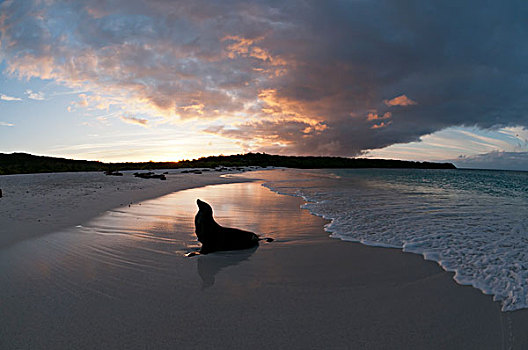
(134, 120)
(400, 101)
(39, 96)
(374, 116)
(276, 136)
(495, 160)
(294, 76)
(380, 125)
(6, 124)
(9, 98)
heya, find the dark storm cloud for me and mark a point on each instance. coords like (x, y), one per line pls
(307, 76)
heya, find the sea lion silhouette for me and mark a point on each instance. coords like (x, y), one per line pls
(215, 237)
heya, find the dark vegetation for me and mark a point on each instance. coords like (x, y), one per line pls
(23, 163)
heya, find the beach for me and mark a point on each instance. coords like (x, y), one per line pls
(106, 268)
(36, 204)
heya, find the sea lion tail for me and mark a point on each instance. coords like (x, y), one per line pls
(267, 239)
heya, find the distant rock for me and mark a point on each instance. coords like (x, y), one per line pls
(113, 173)
(150, 175)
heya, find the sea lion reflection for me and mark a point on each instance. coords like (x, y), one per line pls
(208, 266)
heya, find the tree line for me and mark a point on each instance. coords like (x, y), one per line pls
(23, 163)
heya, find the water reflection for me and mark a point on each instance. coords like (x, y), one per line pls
(166, 224)
(129, 265)
(117, 249)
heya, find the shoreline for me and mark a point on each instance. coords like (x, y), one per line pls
(501, 278)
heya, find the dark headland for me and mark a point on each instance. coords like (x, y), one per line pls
(23, 163)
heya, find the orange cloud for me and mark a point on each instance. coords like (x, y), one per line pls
(193, 108)
(380, 125)
(277, 106)
(29, 66)
(246, 48)
(240, 46)
(287, 111)
(374, 116)
(269, 132)
(264, 55)
(401, 100)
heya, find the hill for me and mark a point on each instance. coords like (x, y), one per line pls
(23, 163)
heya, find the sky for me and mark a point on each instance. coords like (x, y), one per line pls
(165, 80)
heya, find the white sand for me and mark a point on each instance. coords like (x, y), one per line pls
(36, 204)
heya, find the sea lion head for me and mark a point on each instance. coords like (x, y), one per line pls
(204, 223)
(204, 208)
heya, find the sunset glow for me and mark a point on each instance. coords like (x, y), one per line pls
(168, 80)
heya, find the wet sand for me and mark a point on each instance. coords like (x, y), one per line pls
(38, 204)
(122, 281)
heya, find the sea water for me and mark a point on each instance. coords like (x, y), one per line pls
(472, 222)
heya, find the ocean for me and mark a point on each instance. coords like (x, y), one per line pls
(471, 222)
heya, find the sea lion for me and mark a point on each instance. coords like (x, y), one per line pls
(215, 237)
